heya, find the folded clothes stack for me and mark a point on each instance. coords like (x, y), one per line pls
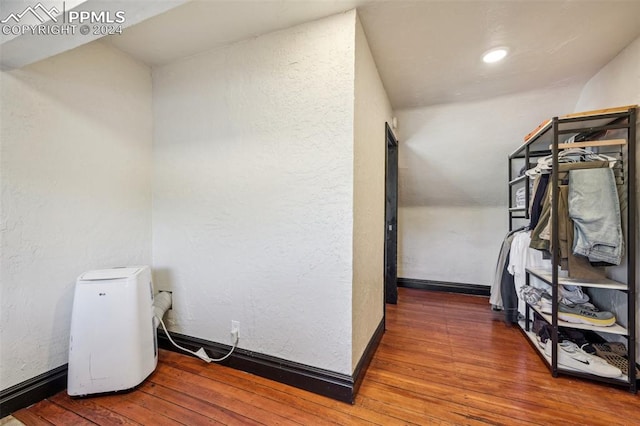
(520, 198)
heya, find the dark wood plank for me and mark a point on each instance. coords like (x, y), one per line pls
(283, 394)
(288, 411)
(30, 418)
(123, 405)
(88, 409)
(171, 410)
(208, 410)
(428, 407)
(58, 415)
(347, 414)
(205, 390)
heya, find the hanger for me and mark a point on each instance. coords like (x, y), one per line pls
(589, 155)
(568, 156)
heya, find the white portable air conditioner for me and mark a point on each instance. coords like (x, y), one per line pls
(113, 344)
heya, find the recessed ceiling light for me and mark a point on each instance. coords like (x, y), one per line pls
(495, 55)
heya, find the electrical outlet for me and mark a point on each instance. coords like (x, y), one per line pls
(235, 329)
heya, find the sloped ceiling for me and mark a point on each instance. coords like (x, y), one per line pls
(427, 52)
(198, 26)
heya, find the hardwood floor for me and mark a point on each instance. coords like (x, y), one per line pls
(445, 359)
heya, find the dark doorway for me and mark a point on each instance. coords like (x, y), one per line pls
(391, 219)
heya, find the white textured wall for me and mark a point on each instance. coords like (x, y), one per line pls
(617, 84)
(253, 192)
(450, 243)
(372, 110)
(453, 181)
(76, 193)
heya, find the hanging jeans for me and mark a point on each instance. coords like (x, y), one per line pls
(509, 295)
(595, 210)
(540, 235)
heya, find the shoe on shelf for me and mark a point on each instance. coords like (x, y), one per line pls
(572, 295)
(585, 314)
(578, 337)
(543, 335)
(618, 348)
(530, 294)
(571, 356)
(615, 353)
(545, 303)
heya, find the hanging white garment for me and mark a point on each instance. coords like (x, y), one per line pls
(523, 257)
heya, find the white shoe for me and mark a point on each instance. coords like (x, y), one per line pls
(571, 356)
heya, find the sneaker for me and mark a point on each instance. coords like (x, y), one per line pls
(571, 356)
(545, 303)
(572, 295)
(578, 337)
(531, 295)
(543, 335)
(584, 314)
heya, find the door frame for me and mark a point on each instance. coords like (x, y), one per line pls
(391, 218)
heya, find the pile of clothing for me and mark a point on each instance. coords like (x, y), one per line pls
(589, 232)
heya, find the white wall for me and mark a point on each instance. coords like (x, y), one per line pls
(76, 193)
(372, 110)
(617, 84)
(253, 192)
(453, 175)
(450, 243)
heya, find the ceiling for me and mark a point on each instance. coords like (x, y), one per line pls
(200, 25)
(427, 52)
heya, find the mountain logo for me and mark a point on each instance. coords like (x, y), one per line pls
(39, 11)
